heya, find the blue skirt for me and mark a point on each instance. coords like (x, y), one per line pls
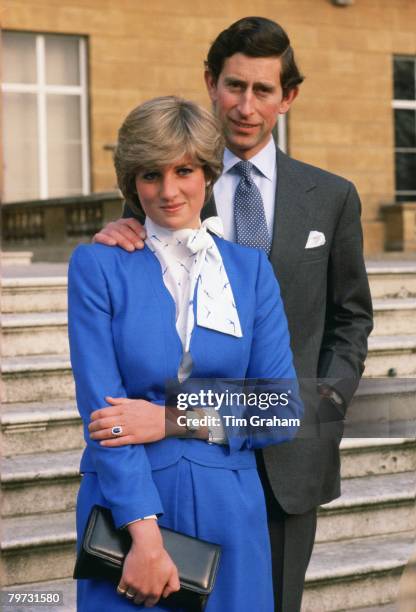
(216, 504)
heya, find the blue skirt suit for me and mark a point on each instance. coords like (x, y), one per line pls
(124, 343)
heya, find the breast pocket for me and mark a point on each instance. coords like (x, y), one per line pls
(316, 254)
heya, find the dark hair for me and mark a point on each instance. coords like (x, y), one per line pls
(255, 37)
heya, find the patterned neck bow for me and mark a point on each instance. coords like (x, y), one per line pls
(192, 267)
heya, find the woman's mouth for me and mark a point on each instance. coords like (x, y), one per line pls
(172, 208)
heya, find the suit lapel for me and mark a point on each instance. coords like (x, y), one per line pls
(292, 218)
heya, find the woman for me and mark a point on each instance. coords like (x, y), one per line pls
(189, 304)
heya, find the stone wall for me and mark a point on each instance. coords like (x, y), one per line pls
(342, 120)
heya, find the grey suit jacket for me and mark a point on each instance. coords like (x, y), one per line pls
(328, 305)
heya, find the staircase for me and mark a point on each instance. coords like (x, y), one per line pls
(363, 539)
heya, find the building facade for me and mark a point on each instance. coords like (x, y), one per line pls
(73, 69)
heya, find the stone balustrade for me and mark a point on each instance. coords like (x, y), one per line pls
(52, 228)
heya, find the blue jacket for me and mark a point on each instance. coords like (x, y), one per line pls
(124, 343)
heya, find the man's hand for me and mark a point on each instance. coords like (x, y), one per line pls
(141, 422)
(148, 571)
(128, 234)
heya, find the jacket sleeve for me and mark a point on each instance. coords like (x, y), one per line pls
(270, 371)
(124, 473)
(349, 315)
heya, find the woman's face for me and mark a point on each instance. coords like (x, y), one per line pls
(173, 196)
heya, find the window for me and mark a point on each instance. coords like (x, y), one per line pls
(45, 125)
(404, 106)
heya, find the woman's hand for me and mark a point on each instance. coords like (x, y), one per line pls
(148, 572)
(141, 422)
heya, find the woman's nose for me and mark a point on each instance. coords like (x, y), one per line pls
(168, 187)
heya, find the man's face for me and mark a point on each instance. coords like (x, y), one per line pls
(248, 98)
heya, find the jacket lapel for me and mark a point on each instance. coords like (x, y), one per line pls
(292, 218)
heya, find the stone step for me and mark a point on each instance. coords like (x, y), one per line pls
(55, 425)
(371, 505)
(383, 407)
(36, 378)
(34, 333)
(16, 258)
(391, 355)
(48, 482)
(394, 316)
(354, 573)
(357, 572)
(66, 588)
(40, 427)
(390, 607)
(372, 456)
(40, 483)
(37, 333)
(34, 294)
(38, 547)
(25, 292)
(392, 278)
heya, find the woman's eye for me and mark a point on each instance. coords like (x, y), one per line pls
(185, 170)
(149, 176)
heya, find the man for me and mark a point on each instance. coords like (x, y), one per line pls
(308, 220)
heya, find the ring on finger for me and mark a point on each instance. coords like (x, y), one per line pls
(117, 430)
(121, 591)
(130, 594)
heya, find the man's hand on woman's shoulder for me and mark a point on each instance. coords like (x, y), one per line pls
(129, 234)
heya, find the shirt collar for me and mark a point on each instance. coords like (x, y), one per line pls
(264, 161)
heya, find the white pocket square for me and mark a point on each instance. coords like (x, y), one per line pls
(315, 239)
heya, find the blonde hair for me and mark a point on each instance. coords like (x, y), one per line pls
(158, 133)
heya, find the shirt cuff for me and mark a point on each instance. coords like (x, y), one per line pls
(143, 518)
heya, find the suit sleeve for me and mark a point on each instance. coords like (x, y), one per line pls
(270, 369)
(349, 315)
(124, 473)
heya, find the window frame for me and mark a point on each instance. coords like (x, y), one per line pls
(41, 90)
(398, 104)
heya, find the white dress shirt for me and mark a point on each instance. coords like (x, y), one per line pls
(264, 176)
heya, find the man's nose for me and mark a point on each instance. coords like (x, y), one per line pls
(246, 103)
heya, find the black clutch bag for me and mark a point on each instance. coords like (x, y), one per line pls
(104, 548)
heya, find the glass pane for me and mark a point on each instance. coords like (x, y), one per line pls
(62, 60)
(64, 145)
(406, 171)
(406, 198)
(404, 79)
(20, 142)
(19, 57)
(405, 128)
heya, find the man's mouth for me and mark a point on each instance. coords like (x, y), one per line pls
(243, 125)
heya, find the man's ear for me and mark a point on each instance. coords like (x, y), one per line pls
(288, 100)
(211, 85)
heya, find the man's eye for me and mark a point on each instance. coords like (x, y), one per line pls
(263, 91)
(235, 86)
